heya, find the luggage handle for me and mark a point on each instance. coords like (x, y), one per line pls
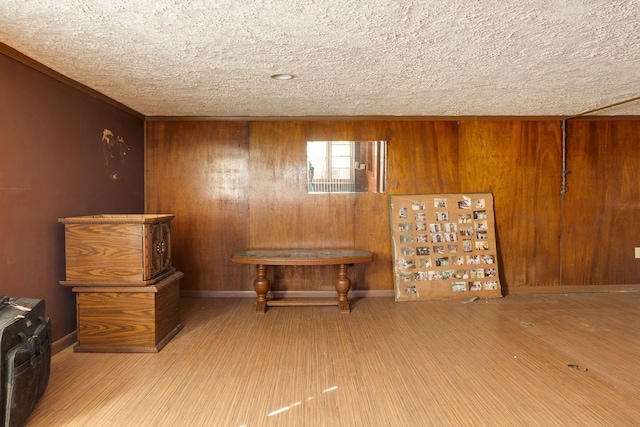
(29, 343)
(19, 306)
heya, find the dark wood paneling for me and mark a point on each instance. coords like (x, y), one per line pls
(262, 201)
(283, 214)
(198, 171)
(418, 162)
(422, 158)
(602, 204)
(521, 164)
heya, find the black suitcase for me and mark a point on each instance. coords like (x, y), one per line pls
(25, 351)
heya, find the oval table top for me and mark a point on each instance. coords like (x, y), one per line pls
(301, 256)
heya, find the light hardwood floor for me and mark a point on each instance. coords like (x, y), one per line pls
(496, 362)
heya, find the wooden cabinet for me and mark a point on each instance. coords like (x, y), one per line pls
(128, 319)
(117, 250)
(127, 291)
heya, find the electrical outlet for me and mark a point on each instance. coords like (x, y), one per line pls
(637, 252)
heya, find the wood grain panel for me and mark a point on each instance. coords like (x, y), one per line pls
(103, 252)
(283, 214)
(128, 319)
(520, 163)
(117, 250)
(167, 310)
(423, 158)
(418, 162)
(199, 171)
(602, 203)
(242, 185)
(116, 319)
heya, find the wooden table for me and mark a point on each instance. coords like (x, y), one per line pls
(340, 257)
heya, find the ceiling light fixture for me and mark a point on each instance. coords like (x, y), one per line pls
(282, 76)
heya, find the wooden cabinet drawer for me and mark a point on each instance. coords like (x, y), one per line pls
(117, 250)
(128, 319)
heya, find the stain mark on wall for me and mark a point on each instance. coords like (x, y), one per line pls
(115, 154)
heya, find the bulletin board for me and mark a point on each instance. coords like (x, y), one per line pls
(444, 246)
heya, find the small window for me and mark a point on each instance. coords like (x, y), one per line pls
(346, 166)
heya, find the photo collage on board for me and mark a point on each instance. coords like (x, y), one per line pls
(444, 245)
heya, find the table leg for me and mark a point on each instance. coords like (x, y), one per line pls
(261, 285)
(343, 284)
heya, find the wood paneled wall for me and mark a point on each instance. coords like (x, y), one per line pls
(602, 206)
(236, 185)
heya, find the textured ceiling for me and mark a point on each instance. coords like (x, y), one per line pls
(350, 57)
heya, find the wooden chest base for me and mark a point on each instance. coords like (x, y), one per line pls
(128, 319)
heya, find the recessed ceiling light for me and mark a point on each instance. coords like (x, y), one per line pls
(282, 76)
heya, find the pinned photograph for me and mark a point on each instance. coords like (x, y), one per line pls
(466, 231)
(422, 250)
(404, 226)
(420, 276)
(411, 290)
(465, 219)
(462, 274)
(482, 246)
(465, 203)
(443, 261)
(434, 275)
(439, 203)
(406, 264)
(480, 214)
(424, 262)
(406, 238)
(473, 260)
(442, 216)
(488, 259)
(407, 251)
(491, 285)
(477, 273)
(459, 286)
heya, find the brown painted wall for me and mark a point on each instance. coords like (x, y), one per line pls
(53, 165)
(235, 185)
